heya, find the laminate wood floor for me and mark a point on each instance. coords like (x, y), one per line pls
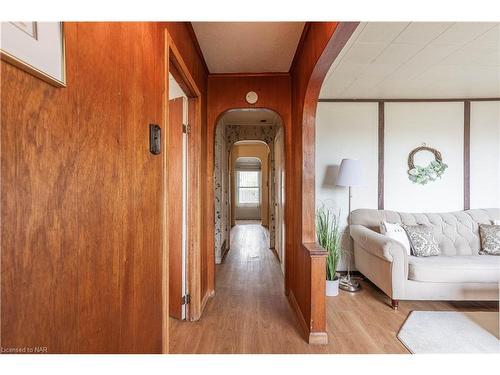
(251, 314)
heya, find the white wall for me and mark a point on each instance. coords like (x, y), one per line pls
(346, 130)
(485, 155)
(174, 90)
(438, 125)
(350, 130)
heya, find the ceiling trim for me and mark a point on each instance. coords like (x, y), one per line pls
(236, 75)
(299, 45)
(396, 100)
(192, 34)
(230, 123)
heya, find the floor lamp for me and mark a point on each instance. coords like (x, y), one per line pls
(350, 175)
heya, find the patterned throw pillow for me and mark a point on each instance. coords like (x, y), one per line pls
(423, 243)
(490, 239)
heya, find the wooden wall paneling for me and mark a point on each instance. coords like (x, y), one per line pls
(39, 210)
(164, 77)
(317, 334)
(128, 248)
(149, 335)
(466, 154)
(141, 253)
(227, 92)
(381, 152)
(81, 196)
(183, 40)
(322, 44)
(101, 183)
(192, 34)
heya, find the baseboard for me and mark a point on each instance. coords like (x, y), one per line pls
(313, 338)
(298, 313)
(318, 338)
(224, 253)
(204, 302)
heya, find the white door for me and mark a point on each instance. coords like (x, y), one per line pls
(279, 186)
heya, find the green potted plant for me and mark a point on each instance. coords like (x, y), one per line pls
(327, 229)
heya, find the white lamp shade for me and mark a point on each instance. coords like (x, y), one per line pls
(350, 173)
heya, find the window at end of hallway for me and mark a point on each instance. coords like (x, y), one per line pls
(248, 188)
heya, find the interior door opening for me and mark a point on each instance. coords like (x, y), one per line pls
(178, 254)
(249, 184)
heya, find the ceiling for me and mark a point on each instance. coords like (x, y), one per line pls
(248, 47)
(248, 162)
(417, 60)
(251, 117)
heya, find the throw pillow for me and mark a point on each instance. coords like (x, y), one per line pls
(423, 243)
(397, 233)
(490, 239)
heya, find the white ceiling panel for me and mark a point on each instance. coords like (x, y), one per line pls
(251, 117)
(463, 32)
(381, 32)
(418, 32)
(417, 60)
(248, 47)
(397, 53)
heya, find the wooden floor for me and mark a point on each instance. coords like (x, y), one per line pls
(251, 314)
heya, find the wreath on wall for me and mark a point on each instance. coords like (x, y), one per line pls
(422, 175)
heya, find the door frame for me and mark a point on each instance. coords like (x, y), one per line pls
(175, 65)
(210, 192)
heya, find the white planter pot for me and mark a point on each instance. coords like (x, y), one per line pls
(332, 287)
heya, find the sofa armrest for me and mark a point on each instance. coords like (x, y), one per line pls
(378, 244)
(388, 251)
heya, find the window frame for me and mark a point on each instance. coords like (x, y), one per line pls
(258, 187)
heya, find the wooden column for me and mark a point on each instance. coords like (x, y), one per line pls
(381, 131)
(466, 154)
(320, 46)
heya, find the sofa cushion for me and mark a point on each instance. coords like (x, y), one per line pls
(490, 239)
(449, 269)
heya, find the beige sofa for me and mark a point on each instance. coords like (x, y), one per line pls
(458, 273)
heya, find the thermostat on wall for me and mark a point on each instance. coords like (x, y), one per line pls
(252, 97)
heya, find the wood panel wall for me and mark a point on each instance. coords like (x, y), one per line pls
(81, 194)
(320, 46)
(228, 92)
(186, 44)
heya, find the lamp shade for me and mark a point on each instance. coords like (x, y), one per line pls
(350, 173)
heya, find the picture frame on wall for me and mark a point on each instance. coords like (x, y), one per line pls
(37, 48)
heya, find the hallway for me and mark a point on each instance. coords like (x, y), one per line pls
(250, 312)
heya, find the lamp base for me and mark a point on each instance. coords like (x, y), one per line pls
(349, 285)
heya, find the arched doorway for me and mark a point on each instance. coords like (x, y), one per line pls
(246, 134)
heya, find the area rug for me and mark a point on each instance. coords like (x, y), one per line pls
(451, 332)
